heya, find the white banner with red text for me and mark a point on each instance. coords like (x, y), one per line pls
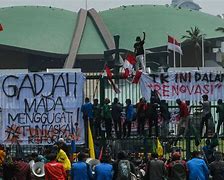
(183, 85)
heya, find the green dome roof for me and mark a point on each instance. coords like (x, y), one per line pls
(50, 30)
(157, 21)
(37, 28)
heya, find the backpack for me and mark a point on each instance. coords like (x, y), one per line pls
(178, 170)
(124, 170)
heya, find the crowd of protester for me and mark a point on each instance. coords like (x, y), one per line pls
(121, 117)
(107, 116)
(57, 165)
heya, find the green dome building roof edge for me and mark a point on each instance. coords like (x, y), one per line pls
(50, 30)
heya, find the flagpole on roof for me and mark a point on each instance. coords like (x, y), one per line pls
(174, 54)
(180, 57)
(167, 57)
(202, 51)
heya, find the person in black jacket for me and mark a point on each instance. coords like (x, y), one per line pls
(139, 51)
(122, 155)
(116, 115)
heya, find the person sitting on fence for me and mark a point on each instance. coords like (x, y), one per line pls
(188, 106)
(182, 127)
(97, 118)
(116, 115)
(129, 117)
(152, 116)
(107, 117)
(206, 114)
(141, 115)
(87, 110)
(220, 111)
(165, 115)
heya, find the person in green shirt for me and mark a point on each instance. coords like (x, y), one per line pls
(107, 117)
(220, 110)
(97, 117)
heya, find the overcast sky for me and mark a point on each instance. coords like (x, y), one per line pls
(209, 6)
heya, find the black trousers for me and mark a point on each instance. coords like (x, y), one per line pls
(117, 127)
(204, 120)
(153, 122)
(127, 124)
(141, 126)
(221, 120)
(97, 127)
(108, 126)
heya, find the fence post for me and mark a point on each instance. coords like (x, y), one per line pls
(188, 141)
(102, 90)
(188, 147)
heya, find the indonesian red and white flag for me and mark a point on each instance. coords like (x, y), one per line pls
(108, 72)
(137, 77)
(109, 77)
(128, 65)
(174, 45)
(1, 27)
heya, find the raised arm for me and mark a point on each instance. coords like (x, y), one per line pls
(143, 36)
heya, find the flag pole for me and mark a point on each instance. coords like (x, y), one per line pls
(180, 56)
(202, 51)
(167, 57)
(174, 53)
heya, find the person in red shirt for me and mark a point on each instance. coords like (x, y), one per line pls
(182, 126)
(53, 169)
(23, 170)
(141, 116)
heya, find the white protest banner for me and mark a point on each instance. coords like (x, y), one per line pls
(184, 85)
(39, 108)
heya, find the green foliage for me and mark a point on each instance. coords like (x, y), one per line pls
(221, 29)
(194, 36)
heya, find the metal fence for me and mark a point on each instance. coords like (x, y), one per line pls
(97, 87)
(132, 145)
(103, 89)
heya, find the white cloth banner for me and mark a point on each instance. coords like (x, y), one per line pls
(184, 85)
(40, 108)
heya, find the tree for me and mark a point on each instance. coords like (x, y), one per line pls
(221, 29)
(194, 37)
